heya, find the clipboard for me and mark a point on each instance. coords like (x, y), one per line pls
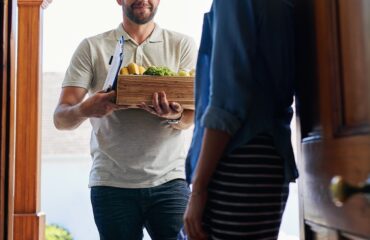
(115, 63)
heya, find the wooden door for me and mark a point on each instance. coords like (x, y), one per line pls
(333, 74)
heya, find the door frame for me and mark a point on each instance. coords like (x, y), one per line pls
(20, 120)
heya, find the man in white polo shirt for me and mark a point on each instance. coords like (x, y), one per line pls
(137, 176)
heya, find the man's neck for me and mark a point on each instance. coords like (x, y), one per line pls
(138, 32)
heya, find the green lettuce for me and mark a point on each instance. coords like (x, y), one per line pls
(159, 71)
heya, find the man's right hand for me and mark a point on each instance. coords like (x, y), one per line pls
(99, 105)
(72, 109)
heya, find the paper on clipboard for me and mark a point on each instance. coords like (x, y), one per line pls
(115, 64)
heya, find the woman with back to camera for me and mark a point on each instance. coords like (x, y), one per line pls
(241, 160)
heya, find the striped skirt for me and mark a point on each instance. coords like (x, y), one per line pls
(247, 193)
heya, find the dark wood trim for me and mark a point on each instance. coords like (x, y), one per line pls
(317, 231)
(349, 131)
(308, 127)
(349, 236)
(327, 57)
(4, 115)
(306, 72)
(323, 232)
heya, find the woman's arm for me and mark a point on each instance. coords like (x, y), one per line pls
(214, 144)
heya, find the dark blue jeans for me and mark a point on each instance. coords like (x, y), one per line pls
(121, 213)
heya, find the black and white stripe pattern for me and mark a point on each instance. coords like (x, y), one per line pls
(247, 194)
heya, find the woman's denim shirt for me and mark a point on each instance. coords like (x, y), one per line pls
(245, 72)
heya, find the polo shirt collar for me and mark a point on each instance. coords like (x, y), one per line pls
(156, 35)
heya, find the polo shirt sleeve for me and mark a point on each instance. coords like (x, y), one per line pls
(80, 71)
(189, 53)
(231, 80)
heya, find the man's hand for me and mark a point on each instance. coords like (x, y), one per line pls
(99, 105)
(72, 109)
(162, 108)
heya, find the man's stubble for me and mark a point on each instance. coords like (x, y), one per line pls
(138, 18)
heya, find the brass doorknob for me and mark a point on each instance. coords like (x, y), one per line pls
(341, 191)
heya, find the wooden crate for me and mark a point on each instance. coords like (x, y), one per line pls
(135, 89)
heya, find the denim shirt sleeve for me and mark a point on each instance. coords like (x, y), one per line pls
(231, 65)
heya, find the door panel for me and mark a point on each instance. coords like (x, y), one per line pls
(354, 62)
(337, 143)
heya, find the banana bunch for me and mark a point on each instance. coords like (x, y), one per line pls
(132, 69)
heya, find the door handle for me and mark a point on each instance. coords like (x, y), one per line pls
(341, 191)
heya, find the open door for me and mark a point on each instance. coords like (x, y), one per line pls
(333, 73)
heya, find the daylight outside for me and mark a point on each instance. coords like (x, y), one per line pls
(65, 196)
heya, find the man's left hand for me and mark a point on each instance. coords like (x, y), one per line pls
(162, 108)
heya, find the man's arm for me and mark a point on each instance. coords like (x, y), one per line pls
(71, 110)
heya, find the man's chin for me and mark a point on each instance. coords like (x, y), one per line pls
(142, 16)
(141, 20)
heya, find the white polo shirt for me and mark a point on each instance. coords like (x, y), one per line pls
(132, 148)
